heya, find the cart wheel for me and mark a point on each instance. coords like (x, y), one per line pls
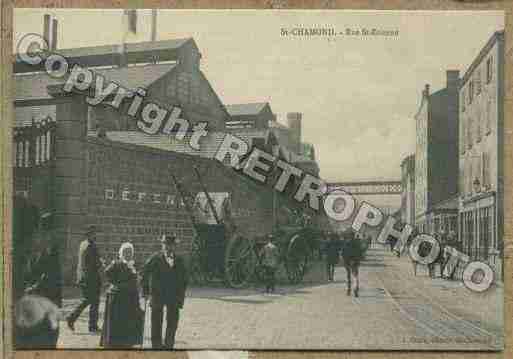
(296, 262)
(240, 262)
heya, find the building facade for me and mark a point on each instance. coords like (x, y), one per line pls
(481, 154)
(408, 190)
(91, 165)
(436, 152)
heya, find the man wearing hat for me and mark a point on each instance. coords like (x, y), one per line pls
(44, 276)
(270, 259)
(164, 282)
(88, 278)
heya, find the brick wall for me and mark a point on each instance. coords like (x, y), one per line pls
(130, 197)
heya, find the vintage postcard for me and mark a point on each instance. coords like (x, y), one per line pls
(258, 179)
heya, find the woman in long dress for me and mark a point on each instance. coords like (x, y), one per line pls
(123, 317)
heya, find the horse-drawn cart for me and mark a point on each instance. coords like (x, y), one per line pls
(221, 253)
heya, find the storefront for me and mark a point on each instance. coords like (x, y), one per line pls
(478, 228)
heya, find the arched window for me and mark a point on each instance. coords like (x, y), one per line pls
(489, 117)
(43, 148)
(26, 154)
(21, 151)
(14, 154)
(37, 149)
(48, 144)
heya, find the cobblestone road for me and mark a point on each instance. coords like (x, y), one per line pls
(395, 310)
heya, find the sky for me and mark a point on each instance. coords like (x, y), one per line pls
(358, 95)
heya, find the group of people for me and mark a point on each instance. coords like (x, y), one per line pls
(161, 282)
(351, 246)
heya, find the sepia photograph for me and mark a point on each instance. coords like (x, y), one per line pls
(257, 179)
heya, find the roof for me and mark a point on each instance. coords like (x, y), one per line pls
(497, 35)
(409, 158)
(209, 144)
(34, 86)
(245, 109)
(129, 47)
(108, 54)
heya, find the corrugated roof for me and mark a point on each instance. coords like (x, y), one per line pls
(209, 144)
(34, 86)
(134, 47)
(242, 109)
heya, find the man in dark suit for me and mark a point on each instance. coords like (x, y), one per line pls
(89, 280)
(332, 255)
(164, 282)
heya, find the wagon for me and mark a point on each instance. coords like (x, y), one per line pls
(220, 253)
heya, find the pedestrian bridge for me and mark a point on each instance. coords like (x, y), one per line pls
(367, 187)
(385, 194)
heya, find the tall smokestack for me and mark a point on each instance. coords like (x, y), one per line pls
(53, 46)
(294, 123)
(453, 79)
(153, 24)
(46, 29)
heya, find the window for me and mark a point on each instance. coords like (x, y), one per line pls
(469, 132)
(20, 152)
(478, 172)
(478, 126)
(26, 155)
(469, 176)
(461, 185)
(489, 117)
(489, 69)
(43, 148)
(477, 80)
(470, 91)
(15, 154)
(462, 135)
(485, 177)
(463, 100)
(48, 145)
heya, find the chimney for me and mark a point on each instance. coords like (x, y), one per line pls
(153, 25)
(46, 29)
(294, 124)
(453, 79)
(53, 45)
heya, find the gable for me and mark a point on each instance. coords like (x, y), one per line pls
(192, 92)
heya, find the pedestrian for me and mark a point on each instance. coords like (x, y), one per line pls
(270, 263)
(89, 279)
(123, 317)
(332, 255)
(36, 323)
(352, 254)
(164, 283)
(44, 275)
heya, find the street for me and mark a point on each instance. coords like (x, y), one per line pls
(395, 310)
